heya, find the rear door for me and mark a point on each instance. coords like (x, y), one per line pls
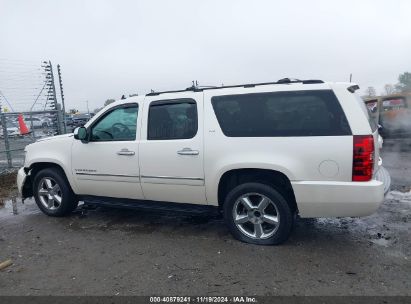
(171, 148)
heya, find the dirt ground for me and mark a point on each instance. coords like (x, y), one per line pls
(8, 187)
(123, 252)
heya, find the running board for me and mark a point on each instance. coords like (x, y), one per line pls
(147, 205)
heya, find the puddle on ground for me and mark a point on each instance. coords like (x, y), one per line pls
(14, 206)
(402, 197)
(381, 242)
(9, 206)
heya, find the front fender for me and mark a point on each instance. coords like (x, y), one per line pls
(56, 151)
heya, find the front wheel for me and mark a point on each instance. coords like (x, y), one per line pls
(53, 193)
(258, 214)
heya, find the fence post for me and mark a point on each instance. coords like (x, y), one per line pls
(60, 119)
(6, 140)
(32, 126)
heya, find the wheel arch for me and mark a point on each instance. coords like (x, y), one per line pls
(273, 178)
(33, 169)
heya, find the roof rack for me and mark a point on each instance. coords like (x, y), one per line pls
(196, 88)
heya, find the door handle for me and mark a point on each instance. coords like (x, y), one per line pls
(125, 152)
(188, 151)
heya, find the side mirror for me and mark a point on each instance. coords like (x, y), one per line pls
(80, 133)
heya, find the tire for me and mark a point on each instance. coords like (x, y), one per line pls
(258, 214)
(52, 192)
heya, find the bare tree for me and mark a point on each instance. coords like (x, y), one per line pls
(370, 92)
(389, 89)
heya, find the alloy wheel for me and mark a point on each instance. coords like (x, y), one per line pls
(256, 216)
(49, 193)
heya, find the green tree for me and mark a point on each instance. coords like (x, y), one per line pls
(108, 101)
(404, 82)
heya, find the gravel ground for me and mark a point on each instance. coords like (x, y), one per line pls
(122, 252)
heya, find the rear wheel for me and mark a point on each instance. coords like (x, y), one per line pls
(53, 193)
(258, 214)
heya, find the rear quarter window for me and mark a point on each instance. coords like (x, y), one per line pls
(368, 111)
(281, 114)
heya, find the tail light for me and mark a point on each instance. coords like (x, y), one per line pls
(363, 158)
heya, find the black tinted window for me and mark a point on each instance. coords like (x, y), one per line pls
(297, 113)
(172, 119)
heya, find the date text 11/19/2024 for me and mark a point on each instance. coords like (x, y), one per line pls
(176, 299)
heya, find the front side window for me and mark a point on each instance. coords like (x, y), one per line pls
(120, 124)
(172, 119)
(295, 113)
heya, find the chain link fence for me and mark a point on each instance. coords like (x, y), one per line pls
(12, 143)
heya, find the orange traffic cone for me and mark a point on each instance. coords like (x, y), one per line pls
(22, 126)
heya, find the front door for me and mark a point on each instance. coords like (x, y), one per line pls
(107, 165)
(171, 148)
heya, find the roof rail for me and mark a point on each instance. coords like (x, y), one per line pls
(196, 88)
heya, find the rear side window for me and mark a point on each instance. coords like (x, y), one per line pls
(280, 114)
(172, 119)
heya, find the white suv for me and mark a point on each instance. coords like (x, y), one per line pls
(263, 153)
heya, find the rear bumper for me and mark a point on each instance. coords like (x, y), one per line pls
(383, 176)
(338, 199)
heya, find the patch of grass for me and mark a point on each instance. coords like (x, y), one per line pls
(8, 186)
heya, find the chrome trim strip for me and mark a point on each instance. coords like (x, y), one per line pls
(173, 177)
(111, 180)
(114, 175)
(171, 183)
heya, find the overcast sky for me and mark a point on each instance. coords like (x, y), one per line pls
(110, 48)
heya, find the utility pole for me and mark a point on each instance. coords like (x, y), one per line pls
(53, 87)
(351, 77)
(88, 110)
(62, 99)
